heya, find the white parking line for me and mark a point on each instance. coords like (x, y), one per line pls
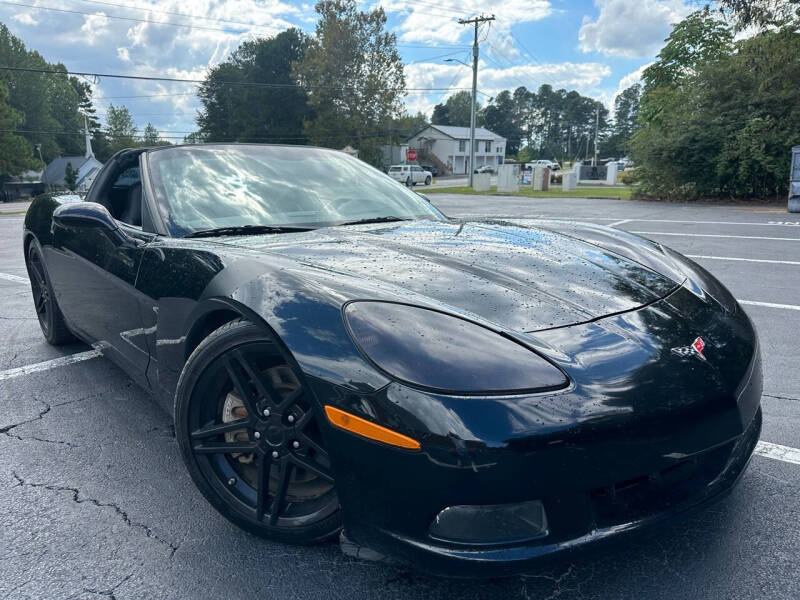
(14, 278)
(717, 235)
(778, 452)
(620, 222)
(49, 364)
(757, 223)
(770, 304)
(754, 260)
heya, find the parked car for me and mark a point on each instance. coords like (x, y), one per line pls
(553, 166)
(467, 396)
(486, 169)
(410, 174)
(432, 169)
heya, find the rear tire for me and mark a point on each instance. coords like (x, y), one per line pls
(249, 434)
(427, 181)
(409, 183)
(51, 321)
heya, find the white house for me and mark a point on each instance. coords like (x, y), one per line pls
(450, 145)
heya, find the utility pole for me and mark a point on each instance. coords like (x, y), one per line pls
(596, 127)
(474, 21)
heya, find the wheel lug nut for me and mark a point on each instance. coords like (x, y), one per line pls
(232, 481)
(266, 412)
(257, 435)
(290, 418)
(275, 454)
(295, 444)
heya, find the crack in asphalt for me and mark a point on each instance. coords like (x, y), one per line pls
(110, 592)
(777, 397)
(76, 497)
(556, 581)
(47, 408)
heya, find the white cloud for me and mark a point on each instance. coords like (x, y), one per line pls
(124, 54)
(94, 26)
(429, 23)
(630, 28)
(583, 77)
(25, 19)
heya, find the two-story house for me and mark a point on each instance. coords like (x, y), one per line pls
(450, 145)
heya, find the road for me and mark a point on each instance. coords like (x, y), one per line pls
(94, 499)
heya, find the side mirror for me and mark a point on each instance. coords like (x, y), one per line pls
(88, 215)
(84, 215)
(423, 196)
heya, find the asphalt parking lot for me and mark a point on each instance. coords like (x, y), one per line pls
(94, 499)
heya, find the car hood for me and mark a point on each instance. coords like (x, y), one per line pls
(521, 277)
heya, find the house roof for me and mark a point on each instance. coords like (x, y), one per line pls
(462, 133)
(54, 172)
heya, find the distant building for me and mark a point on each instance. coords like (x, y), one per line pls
(450, 147)
(87, 166)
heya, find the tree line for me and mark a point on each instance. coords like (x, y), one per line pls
(718, 116)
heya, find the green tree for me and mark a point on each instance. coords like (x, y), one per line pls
(626, 115)
(723, 120)
(120, 130)
(16, 153)
(254, 113)
(70, 177)
(49, 103)
(150, 136)
(459, 108)
(761, 13)
(500, 117)
(355, 79)
(440, 115)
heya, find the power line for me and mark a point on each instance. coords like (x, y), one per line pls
(199, 81)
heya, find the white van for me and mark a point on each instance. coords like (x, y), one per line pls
(410, 174)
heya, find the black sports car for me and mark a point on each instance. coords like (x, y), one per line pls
(464, 396)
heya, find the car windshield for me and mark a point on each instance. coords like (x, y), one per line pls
(207, 187)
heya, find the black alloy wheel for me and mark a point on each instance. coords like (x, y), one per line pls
(51, 321)
(250, 437)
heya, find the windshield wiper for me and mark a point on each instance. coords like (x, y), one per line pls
(246, 230)
(388, 219)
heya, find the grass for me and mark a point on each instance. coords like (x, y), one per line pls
(13, 212)
(623, 193)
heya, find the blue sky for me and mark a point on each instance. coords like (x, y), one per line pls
(597, 47)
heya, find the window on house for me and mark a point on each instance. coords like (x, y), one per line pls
(488, 147)
(462, 145)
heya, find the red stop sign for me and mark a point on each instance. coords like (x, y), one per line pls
(411, 155)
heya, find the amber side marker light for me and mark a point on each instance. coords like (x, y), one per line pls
(364, 428)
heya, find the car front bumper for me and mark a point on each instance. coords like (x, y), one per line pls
(608, 456)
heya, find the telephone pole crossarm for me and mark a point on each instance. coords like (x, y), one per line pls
(475, 21)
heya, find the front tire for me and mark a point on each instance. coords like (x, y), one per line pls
(249, 435)
(51, 321)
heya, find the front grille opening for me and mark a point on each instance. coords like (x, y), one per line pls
(639, 497)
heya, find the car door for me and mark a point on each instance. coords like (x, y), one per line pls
(94, 273)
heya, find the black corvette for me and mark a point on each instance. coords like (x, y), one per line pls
(464, 396)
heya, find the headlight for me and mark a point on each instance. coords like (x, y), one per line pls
(444, 353)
